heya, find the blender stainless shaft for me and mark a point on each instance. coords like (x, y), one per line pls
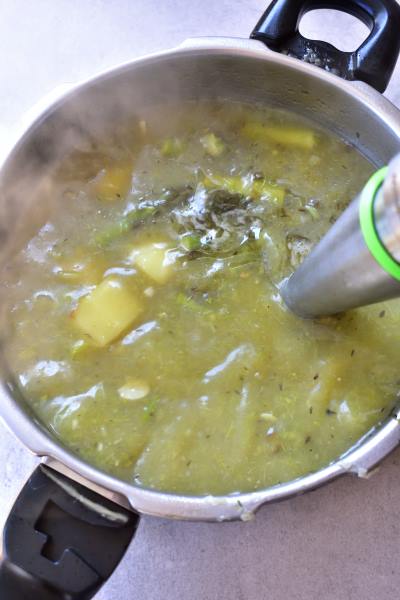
(358, 260)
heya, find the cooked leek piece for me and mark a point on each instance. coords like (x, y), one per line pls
(247, 186)
(212, 144)
(287, 135)
(190, 242)
(172, 147)
(125, 224)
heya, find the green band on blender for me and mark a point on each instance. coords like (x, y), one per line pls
(367, 223)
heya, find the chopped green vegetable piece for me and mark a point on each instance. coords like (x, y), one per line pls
(312, 211)
(287, 135)
(233, 185)
(188, 302)
(262, 189)
(190, 242)
(247, 186)
(172, 147)
(212, 144)
(150, 409)
(104, 238)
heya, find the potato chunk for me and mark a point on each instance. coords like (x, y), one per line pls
(107, 311)
(113, 183)
(154, 260)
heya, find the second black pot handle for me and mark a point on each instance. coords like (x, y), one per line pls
(373, 62)
(61, 541)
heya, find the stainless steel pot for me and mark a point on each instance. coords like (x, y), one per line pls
(245, 70)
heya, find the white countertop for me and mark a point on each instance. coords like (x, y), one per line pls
(338, 543)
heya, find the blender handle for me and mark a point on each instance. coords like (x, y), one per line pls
(61, 540)
(373, 62)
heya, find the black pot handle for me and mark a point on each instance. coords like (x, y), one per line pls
(373, 62)
(61, 541)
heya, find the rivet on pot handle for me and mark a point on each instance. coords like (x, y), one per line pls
(373, 62)
(61, 541)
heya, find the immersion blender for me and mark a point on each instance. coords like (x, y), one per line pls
(358, 261)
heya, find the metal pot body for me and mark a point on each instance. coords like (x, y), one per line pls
(238, 70)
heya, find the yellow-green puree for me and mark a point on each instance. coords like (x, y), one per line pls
(148, 333)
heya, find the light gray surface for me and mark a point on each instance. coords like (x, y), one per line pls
(339, 543)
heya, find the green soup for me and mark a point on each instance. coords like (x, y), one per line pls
(147, 329)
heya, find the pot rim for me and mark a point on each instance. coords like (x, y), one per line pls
(359, 459)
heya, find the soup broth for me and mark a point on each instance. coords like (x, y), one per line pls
(147, 331)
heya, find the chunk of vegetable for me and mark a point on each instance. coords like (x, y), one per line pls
(312, 211)
(212, 144)
(113, 183)
(269, 417)
(298, 247)
(122, 226)
(106, 312)
(262, 189)
(190, 242)
(154, 260)
(247, 186)
(172, 147)
(134, 389)
(143, 128)
(287, 135)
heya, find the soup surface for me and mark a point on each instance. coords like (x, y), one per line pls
(146, 327)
